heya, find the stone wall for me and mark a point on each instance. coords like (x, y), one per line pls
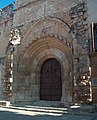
(38, 9)
(79, 31)
(2, 61)
(6, 12)
(6, 24)
(70, 12)
(92, 17)
(93, 63)
(65, 21)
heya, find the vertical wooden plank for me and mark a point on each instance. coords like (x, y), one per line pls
(50, 81)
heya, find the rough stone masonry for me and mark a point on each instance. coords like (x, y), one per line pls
(49, 29)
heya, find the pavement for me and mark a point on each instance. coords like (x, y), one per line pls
(14, 114)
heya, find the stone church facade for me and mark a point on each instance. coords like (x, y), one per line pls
(53, 55)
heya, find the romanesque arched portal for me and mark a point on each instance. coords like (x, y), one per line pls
(42, 54)
(50, 44)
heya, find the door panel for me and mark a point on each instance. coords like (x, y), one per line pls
(50, 81)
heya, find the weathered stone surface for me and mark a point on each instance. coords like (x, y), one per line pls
(48, 29)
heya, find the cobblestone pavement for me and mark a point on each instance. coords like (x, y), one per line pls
(12, 114)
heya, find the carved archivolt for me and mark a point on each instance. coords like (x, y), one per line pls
(51, 35)
(47, 27)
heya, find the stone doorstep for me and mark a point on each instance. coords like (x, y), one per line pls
(43, 106)
(85, 109)
(51, 110)
(35, 108)
(42, 103)
(4, 103)
(38, 109)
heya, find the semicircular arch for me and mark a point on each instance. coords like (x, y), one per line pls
(46, 43)
(43, 27)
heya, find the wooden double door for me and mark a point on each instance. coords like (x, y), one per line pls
(50, 81)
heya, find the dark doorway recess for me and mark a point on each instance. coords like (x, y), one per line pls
(50, 81)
